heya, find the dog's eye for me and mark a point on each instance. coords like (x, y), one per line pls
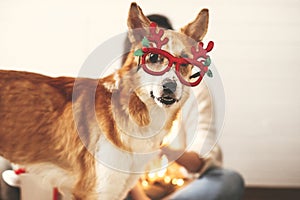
(153, 58)
(197, 74)
(184, 65)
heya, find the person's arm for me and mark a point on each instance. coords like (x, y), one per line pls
(202, 152)
(204, 142)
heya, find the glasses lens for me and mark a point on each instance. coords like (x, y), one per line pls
(156, 62)
(189, 73)
(195, 75)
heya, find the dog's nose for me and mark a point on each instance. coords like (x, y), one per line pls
(169, 86)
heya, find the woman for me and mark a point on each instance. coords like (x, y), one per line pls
(198, 152)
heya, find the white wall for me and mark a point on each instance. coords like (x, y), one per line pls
(256, 53)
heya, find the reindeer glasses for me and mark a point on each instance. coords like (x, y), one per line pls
(156, 61)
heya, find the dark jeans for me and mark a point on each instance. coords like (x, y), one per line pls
(215, 184)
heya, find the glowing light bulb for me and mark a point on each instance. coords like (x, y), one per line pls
(174, 181)
(151, 176)
(161, 173)
(180, 182)
(145, 183)
(167, 179)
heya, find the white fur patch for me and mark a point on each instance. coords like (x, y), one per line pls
(110, 86)
(53, 176)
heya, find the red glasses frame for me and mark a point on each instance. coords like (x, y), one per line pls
(172, 59)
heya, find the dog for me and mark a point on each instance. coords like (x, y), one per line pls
(59, 128)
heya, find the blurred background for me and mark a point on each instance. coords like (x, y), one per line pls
(256, 53)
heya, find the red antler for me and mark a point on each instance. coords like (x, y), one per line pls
(201, 52)
(210, 46)
(157, 37)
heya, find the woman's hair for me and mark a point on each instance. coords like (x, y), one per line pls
(161, 21)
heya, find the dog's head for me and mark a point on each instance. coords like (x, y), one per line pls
(164, 74)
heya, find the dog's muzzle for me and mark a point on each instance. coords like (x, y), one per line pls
(168, 96)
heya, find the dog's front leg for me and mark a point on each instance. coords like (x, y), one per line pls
(114, 184)
(86, 176)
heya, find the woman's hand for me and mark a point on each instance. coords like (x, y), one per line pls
(137, 193)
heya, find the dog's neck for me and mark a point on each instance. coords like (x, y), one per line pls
(140, 124)
(137, 125)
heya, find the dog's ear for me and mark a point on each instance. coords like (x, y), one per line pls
(137, 23)
(197, 28)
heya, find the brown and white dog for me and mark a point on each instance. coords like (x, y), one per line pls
(61, 136)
